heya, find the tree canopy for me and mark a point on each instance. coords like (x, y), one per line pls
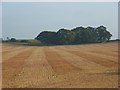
(47, 37)
(76, 35)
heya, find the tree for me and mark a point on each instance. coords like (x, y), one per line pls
(13, 40)
(92, 34)
(85, 35)
(103, 34)
(46, 37)
(64, 36)
(78, 34)
(8, 38)
(108, 35)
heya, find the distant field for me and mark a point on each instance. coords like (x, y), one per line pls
(76, 66)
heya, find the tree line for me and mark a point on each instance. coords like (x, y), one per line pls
(78, 35)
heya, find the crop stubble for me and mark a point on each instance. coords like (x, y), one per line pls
(82, 66)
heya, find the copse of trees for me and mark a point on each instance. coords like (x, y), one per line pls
(77, 35)
(9, 40)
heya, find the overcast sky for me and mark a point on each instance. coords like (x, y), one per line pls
(27, 20)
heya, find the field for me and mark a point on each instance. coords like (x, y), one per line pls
(75, 66)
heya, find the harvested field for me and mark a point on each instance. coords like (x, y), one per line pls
(0, 65)
(75, 66)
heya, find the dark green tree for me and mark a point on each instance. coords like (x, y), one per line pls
(78, 34)
(13, 40)
(91, 34)
(103, 34)
(46, 37)
(65, 36)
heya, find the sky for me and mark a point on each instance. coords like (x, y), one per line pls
(25, 20)
(60, 0)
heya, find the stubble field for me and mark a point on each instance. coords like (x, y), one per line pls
(74, 66)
